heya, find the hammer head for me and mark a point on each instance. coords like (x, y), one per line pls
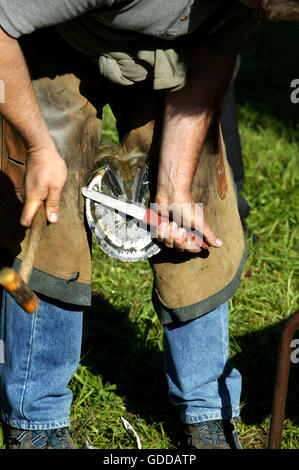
(11, 281)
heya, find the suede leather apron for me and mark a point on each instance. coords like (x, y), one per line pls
(64, 248)
(189, 285)
(65, 90)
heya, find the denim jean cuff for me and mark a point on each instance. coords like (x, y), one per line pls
(36, 425)
(209, 416)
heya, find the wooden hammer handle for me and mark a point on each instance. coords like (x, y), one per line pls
(37, 227)
(20, 292)
(16, 283)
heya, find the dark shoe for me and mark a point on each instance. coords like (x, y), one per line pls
(60, 439)
(44, 439)
(24, 439)
(215, 434)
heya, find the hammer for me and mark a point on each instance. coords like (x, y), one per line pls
(16, 283)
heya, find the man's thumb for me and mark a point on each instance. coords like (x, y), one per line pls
(210, 237)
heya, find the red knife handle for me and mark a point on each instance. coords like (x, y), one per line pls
(152, 218)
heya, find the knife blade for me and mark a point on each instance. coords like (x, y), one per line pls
(147, 216)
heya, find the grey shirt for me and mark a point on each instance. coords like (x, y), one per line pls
(165, 19)
(18, 17)
(136, 40)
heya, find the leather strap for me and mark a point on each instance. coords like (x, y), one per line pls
(220, 172)
(13, 154)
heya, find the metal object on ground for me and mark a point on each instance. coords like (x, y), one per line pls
(123, 178)
(281, 382)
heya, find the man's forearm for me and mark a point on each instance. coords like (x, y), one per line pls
(188, 114)
(20, 106)
(46, 171)
(187, 117)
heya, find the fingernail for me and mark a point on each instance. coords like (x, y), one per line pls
(218, 242)
(53, 217)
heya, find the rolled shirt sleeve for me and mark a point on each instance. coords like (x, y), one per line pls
(23, 17)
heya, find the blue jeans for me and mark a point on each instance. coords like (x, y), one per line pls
(201, 382)
(42, 352)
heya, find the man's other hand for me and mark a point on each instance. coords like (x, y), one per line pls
(186, 215)
(46, 174)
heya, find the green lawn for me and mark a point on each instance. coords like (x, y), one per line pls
(121, 369)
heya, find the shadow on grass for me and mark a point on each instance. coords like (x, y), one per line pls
(114, 348)
(257, 363)
(264, 80)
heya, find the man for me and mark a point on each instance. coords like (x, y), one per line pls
(43, 351)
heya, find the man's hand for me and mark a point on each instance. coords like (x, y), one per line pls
(186, 215)
(46, 170)
(46, 174)
(188, 114)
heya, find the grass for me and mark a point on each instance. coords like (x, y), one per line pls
(268, 294)
(121, 368)
(123, 357)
